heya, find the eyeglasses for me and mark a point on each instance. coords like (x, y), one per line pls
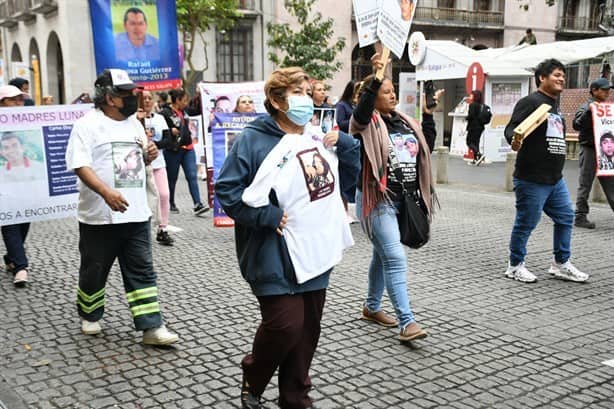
(247, 101)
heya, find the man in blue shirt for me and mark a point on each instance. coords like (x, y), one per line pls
(135, 43)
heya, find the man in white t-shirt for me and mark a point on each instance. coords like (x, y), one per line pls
(108, 150)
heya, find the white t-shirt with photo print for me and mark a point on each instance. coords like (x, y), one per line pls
(305, 177)
(114, 152)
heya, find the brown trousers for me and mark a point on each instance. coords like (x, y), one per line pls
(286, 339)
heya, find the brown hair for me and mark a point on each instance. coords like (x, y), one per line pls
(278, 83)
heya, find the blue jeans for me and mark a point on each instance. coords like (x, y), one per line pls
(14, 236)
(187, 160)
(389, 263)
(531, 199)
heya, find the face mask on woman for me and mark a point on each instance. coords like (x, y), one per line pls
(300, 109)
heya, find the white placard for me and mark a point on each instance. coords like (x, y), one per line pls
(366, 13)
(394, 22)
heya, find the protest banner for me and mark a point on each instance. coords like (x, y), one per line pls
(366, 14)
(394, 22)
(222, 98)
(603, 130)
(34, 182)
(139, 39)
(225, 127)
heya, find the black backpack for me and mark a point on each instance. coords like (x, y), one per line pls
(485, 114)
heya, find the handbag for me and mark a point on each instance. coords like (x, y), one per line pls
(414, 225)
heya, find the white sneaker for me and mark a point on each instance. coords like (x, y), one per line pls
(159, 336)
(567, 271)
(90, 328)
(520, 273)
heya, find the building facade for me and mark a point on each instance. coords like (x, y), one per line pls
(58, 34)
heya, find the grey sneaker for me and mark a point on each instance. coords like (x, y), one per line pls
(520, 273)
(584, 223)
(159, 336)
(567, 271)
(90, 328)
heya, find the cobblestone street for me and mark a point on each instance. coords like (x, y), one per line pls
(493, 342)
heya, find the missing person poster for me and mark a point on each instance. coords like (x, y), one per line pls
(34, 182)
(217, 97)
(325, 118)
(603, 129)
(225, 127)
(366, 14)
(141, 39)
(394, 22)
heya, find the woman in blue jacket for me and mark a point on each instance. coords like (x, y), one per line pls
(264, 186)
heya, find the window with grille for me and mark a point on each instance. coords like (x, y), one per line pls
(234, 55)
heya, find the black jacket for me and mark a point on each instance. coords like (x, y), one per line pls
(473, 117)
(583, 123)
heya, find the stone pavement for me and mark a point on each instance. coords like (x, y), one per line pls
(493, 343)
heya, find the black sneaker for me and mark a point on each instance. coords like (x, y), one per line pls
(584, 223)
(200, 209)
(164, 238)
(480, 160)
(174, 209)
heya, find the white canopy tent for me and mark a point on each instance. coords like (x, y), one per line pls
(508, 74)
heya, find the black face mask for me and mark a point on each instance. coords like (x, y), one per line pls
(130, 105)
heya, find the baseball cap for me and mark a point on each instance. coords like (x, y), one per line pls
(9, 91)
(115, 78)
(601, 83)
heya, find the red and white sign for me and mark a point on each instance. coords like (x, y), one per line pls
(475, 78)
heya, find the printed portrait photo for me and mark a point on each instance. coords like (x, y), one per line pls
(230, 140)
(319, 177)
(129, 167)
(605, 151)
(135, 31)
(406, 147)
(22, 157)
(555, 126)
(407, 8)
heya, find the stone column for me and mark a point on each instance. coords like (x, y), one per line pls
(443, 153)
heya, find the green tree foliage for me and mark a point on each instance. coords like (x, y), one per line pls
(194, 18)
(309, 46)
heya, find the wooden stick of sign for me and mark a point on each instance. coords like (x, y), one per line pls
(379, 75)
(527, 126)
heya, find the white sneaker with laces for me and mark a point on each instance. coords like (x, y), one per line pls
(567, 271)
(90, 328)
(159, 336)
(520, 273)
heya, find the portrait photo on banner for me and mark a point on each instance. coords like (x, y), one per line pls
(326, 118)
(603, 131)
(22, 157)
(135, 30)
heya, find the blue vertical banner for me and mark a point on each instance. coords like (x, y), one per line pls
(139, 37)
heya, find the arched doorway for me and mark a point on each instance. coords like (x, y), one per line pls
(55, 69)
(36, 81)
(16, 53)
